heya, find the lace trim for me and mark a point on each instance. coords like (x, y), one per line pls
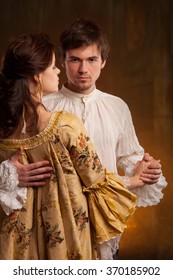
(12, 197)
(108, 249)
(150, 195)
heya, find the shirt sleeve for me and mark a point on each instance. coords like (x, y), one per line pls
(12, 197)
(129, 152)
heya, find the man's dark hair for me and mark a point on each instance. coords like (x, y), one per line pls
(83, 32)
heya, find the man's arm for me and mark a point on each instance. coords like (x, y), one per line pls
(15, 177)
(33, 174)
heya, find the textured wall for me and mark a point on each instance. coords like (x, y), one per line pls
(140, 62)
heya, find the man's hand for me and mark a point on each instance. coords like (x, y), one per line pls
(147, 171)
(33, 174)
(151, 174)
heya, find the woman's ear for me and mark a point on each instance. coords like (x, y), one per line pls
(36, 78)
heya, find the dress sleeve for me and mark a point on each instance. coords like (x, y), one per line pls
(110, 203)
(11, 196)
(129, 152)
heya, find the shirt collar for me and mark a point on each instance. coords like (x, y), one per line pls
(79, 96)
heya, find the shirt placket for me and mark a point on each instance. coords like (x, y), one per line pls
(85, 111)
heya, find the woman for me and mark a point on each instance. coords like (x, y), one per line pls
(82, 205)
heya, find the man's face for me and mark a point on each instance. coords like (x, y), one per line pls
(83, 66)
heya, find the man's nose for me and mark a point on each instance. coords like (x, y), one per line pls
(83, 67)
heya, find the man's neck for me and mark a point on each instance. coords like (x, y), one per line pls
(76, 90)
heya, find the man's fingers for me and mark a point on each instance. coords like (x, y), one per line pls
(149, 181)
(32, 178)
(32, 184)
(150, 178)
(147, 157)
(153, 167)
(155, 164)
(34, 181)
(37, 166)
(147, 172)
(40, 171)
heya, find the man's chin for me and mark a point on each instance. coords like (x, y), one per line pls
(82, 87)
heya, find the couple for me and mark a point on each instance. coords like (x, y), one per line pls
(78, 180)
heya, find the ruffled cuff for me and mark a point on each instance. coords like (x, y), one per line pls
(12, 197)
(150, 195)
(110, 206)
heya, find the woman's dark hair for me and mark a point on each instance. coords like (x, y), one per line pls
(26, 56)
(83, 32)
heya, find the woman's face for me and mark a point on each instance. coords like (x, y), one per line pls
(49, 79)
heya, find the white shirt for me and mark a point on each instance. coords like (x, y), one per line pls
(109, 123)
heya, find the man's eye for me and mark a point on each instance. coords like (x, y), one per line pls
(92, 59)
(74, 59)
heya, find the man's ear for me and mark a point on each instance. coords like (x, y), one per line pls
(103, 64)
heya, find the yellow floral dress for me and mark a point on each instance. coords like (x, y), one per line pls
(80, 206)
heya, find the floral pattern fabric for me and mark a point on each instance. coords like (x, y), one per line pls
(80, 206)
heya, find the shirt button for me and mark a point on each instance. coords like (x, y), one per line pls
(84, 99)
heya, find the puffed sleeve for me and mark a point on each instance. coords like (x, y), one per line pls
(129, 151)
(11, 196)
(110, 203)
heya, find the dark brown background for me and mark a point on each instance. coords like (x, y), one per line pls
(139, 70)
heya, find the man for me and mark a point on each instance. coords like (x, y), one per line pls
(83, 53)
